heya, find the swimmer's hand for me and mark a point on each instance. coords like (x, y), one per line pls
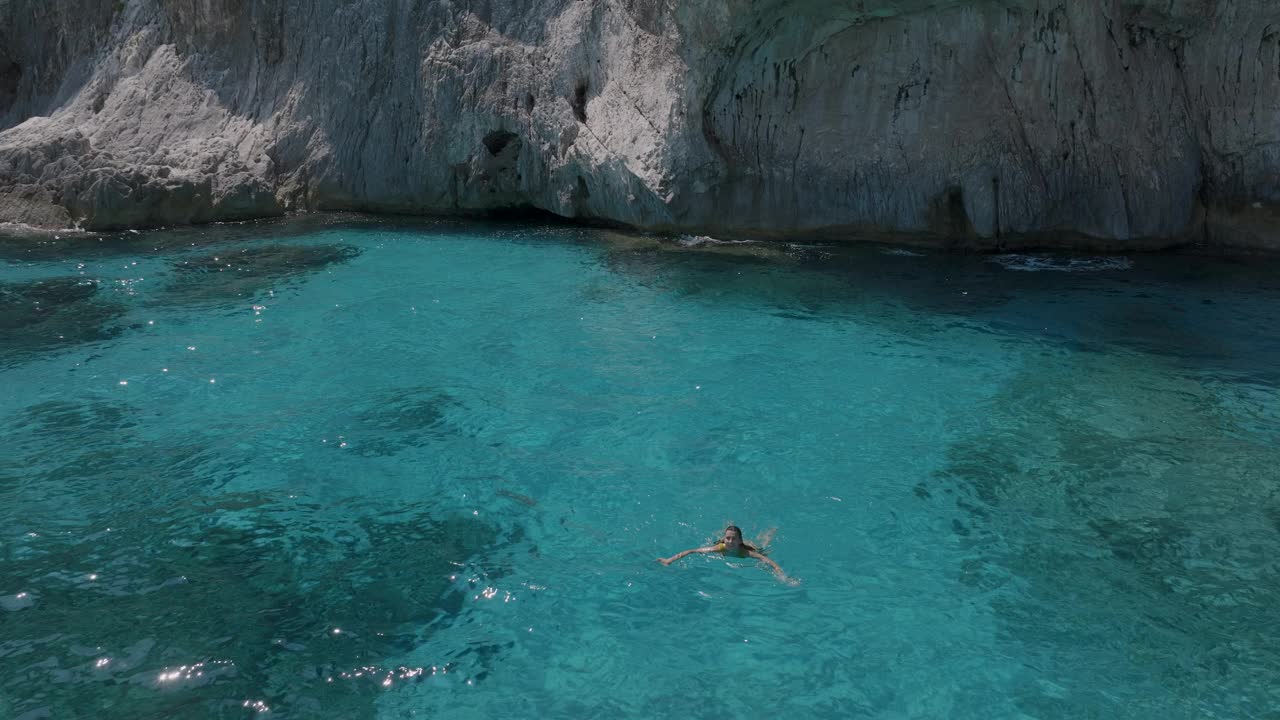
(682, 553)
(777, 569)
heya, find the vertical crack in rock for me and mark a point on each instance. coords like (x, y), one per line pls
(10, 77)
(579, 101)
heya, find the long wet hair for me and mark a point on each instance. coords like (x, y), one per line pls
(738, 530)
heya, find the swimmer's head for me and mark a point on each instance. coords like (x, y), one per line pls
(732, 537)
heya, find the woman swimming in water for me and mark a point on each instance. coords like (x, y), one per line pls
(732, 546)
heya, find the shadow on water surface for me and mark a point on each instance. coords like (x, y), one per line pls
(1121, 519)
(1210, 314)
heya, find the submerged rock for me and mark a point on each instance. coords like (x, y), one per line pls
(412, 417)
(66, 419)
(248, 271)
(305, 610)
(48, 314)
(1120, 124)
(27, 304)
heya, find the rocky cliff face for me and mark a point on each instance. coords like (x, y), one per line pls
(1118, 122)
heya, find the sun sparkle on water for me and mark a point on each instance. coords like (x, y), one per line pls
(435, 475)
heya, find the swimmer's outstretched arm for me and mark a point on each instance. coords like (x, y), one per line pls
(691, 551)
(777, 569)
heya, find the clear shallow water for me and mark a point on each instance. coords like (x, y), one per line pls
(394, 470)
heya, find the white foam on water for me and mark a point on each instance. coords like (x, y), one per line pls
(1049, 263)
(699, 240)
(24, 228)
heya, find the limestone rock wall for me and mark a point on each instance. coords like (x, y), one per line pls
(978, 122)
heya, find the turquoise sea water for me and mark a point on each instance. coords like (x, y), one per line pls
(362, 469)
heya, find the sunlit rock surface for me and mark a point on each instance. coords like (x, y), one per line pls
(1122, 123)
